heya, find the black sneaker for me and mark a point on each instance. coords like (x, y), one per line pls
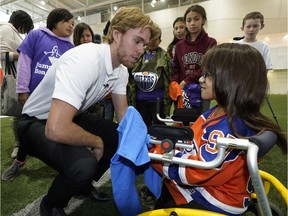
(99, 196)
(94, 194)
(46, 211)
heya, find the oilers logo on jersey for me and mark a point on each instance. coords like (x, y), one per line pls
(146, 81)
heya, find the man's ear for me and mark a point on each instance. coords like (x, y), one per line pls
(116, 35)
(262, 26)
(242, 28)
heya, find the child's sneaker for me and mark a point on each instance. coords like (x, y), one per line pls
(12, 171)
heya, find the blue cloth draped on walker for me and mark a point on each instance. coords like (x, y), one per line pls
(130, 160)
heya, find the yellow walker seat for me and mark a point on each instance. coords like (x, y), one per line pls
(269, 180)
(179, 212)
(256, 147)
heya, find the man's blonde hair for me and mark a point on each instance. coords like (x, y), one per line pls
(130, 18)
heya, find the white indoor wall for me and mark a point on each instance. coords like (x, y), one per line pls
(224, 20)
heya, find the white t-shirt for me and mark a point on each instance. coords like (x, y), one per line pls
(263, 48)
(81, 76)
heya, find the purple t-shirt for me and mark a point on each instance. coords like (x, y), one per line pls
(43, 47)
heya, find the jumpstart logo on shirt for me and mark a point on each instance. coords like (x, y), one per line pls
(39, 68)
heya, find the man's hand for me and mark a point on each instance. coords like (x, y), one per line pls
(99, 150)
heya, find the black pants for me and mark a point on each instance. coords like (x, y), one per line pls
(148, 111)
(76, 165)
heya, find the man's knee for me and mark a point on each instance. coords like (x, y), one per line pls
(83, 170)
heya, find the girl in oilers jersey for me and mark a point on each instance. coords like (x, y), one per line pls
(239, 86)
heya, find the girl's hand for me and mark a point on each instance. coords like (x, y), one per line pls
(182, 84)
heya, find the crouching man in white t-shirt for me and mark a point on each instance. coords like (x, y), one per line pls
(53, 126)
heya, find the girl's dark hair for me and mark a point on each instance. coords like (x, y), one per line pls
(21, 19)
(57, 15)
(175, 39)
(241, 85)
(198, 9)
(78, 31)
(178, 19)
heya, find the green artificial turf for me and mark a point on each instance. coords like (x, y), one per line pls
(35, 177)
(275, 162)
(33, 181)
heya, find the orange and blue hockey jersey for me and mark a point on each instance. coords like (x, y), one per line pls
(225, 189)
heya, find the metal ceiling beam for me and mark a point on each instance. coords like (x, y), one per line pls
(98, 6)
(80, 3)
(5, 2)
(59, 4)
(93, 6)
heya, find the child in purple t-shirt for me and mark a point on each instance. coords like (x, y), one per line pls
(40, 49)
(37, 53)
